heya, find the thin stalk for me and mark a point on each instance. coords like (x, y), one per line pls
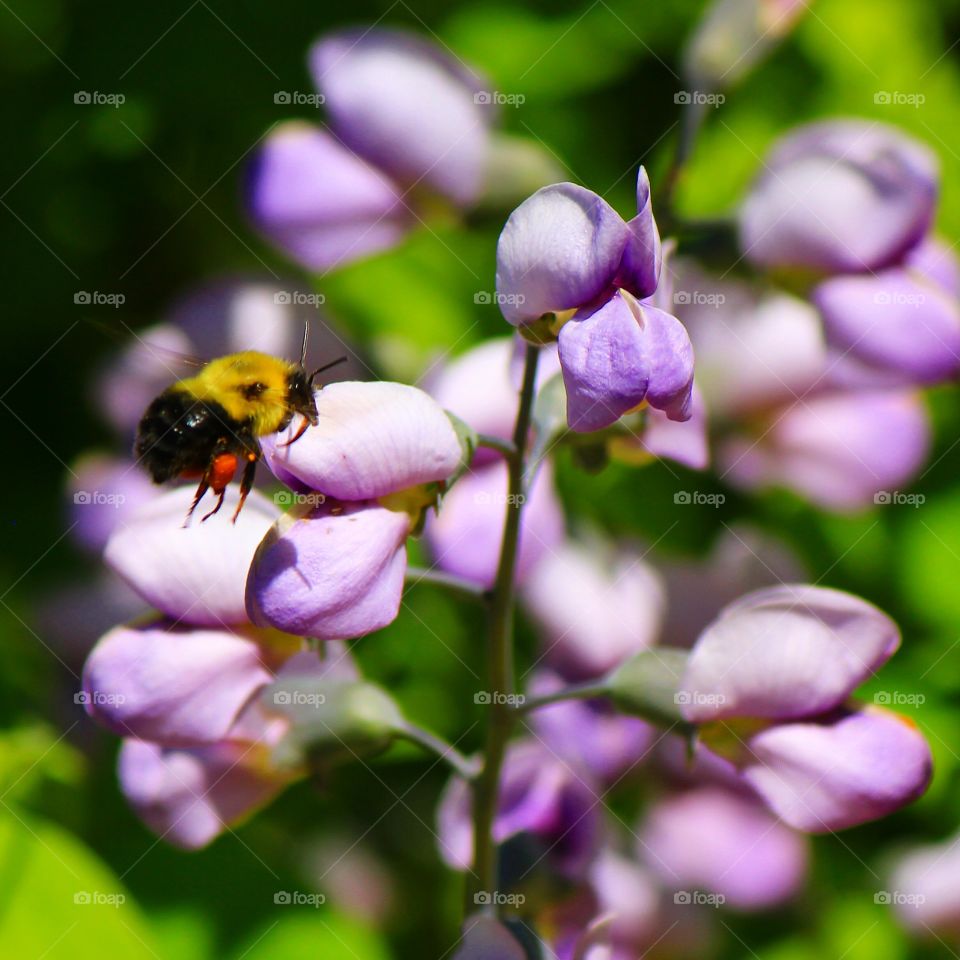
(461, 765)
(447, 581)
(579, 691)
(500, 670)
(497, 443)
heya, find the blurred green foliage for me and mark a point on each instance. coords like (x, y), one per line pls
(142, 200)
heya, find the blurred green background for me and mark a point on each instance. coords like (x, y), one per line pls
(143, 200)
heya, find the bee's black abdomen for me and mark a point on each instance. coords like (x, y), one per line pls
(179, 434)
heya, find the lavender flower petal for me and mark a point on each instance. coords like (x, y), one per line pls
(821, 777)
(372, 439)
(785, 652)
(319, 202)
(334, 573)
(560, 249)
(198, 574)
(404, 105)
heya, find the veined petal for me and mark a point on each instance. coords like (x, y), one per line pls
(406, 106)
(894, 321)
(372, 439)
(196, 574)
(606, 369)
(177, 686)
(820, 777)
(785, 652)
(559, 250)
(334, 574)
(319, 202)
(669, 356)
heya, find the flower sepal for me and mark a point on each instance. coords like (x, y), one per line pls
(647, 685)
(330, 720)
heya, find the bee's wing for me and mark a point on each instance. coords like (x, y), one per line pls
(132, 339)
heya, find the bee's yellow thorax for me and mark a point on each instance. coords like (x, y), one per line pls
(228, 381)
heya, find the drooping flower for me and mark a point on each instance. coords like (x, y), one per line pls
(566, 249)
(197, 750)
(768, 682)
(841, 196)
(594, 610)
(406, 122)
(540, 795)
(195, 575)
(722, 842)
(789, 413)
(333, 568)
(851, 203)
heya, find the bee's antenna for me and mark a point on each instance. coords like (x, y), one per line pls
(327, 366)
(303, 348)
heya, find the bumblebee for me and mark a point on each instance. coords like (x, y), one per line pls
(207, 425)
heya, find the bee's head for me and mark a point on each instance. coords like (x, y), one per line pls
(300, 395)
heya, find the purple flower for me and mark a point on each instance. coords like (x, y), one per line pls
(319, 202)
(189, 797)
(540, 795)
(371, 440)
(195, 575)
(842, 196)
(726, 843)
(333, 567)
(405, 121)
(465, 536)
(333, 573)
(197, 753)
(589, 733)
(768, 683)
(895, 321)
(795, 416)
(566, 249)
(406, 106)
(840, 450)
(176, 685)
(594, 610)
(924, 884)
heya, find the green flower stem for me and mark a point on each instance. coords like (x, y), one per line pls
(505, 447)
(580, 691)
(447, 581)
(461, 765)
(501, 715)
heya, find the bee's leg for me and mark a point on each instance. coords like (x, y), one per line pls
(223, 492)
(246, 481)
(197, 497)
(301, 430)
